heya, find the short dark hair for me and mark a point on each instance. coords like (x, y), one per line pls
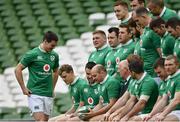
(140, 1)
(50, 36)
(125, 26)
(136, 66)
(90, 65)
(114, 29)
(173, 22)
(140, 11)
(157, 22)
(65, 68)
(121, 3)
(159, 63)
(100, 68)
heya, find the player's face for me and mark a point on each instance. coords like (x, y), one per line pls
(113, 39)
(98, 40)
(120, 12)
(160, 71)
(172, 31)
(170, 66)
(135, 4)
(89, 76)
(49, 46)
(124, 36)
(140, 20)
(153, 8)
(67, 77)
(159, 31)
(96, 76)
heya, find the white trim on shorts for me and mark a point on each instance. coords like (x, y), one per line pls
(176, 113)
(40, 104)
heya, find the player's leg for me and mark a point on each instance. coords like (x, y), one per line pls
(173, 116)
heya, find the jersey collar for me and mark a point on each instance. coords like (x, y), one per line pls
(127, 43)
(41, 49)
(118, 46)
(105, 79)
(175, 74)
(163, 11)
(103, 47)
(142, 77)
(75, 80)
(127, 19)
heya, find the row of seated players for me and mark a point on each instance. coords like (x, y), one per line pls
(139, 98)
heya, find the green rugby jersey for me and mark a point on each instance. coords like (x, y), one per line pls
(137, 48)
(40, 66)
(167, 44)
(162, 87)
(177, 48)
(89, 95)
(110, 61)
(126, 21)
(149, 43)
(99, 55)
(108, 89)
(75, 89)
(167, 13)
(146, 87)
(173, 86)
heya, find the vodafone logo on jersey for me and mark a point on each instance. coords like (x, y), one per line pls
(90, 101)
(46, 67)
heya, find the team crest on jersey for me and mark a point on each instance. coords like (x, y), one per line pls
(39, 57)
(46, 67)
(95, 91)
(125, 50)
(52, 57)
(101, 54)
(74, 90)
(117, 60)
(86, 90)
(90, 101)
(108, 63)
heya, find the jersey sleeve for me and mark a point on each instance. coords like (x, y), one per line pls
(156, 39)
(27, 59)
(114, 90)
(177, 89)
(56, 61)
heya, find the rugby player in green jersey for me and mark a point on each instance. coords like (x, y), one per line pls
(158, 9)
(144, 96)
(171, 110)
(89, 94)
(114, 43)
(121, 12)
(173, 27)
(125, 73)
(149, 41)
(75, 86)
(42, 63)
(109, 91)
(100, 43)
(167, 41)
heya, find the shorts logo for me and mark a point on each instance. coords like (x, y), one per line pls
(46, 67)
(90, 101)
(52, 57)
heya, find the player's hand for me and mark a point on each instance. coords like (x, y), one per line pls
(27, 92)
(159, 118)
(125, 118)
(106, 116)
(111, 117)
(146, 118)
